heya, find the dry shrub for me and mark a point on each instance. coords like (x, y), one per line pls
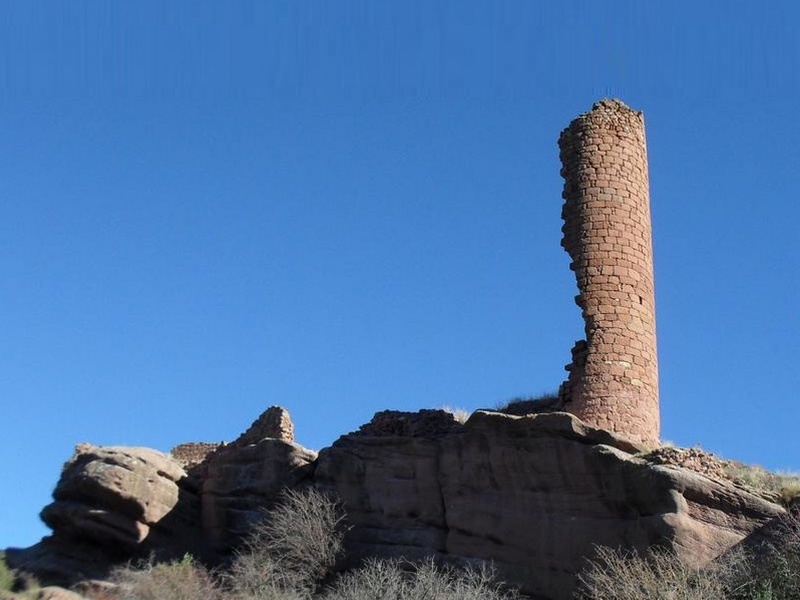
(291, 551)
(660, 575)
(258, 577)
(461, 415)
(767, 571)
(177, 580)
(399, 580)
(770, 570)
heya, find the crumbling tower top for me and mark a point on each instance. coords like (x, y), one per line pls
(613, 377)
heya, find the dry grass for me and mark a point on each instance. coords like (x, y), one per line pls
(768, 571)
(178, 580)
(781, 486)
(620, 575)
(771, 570)
(547, 402)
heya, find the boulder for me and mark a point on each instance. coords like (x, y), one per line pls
(533, 494)
(124, 499)
(57, 593)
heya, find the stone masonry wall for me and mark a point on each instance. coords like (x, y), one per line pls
(192, 454)
(613, 378)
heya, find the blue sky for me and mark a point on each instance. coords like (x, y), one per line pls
(341, 207)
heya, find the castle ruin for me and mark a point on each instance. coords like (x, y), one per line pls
(613, 377)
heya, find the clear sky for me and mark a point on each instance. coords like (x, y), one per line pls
(207, 208)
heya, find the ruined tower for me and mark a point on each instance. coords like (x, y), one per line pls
(613, 378)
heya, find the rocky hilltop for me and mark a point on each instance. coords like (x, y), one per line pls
(533, 493)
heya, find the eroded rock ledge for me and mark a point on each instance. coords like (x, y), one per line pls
(534, 494)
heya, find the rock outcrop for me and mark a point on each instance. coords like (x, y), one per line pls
(58, 593)
(113, 503)
(534, 494)
(123, 498)
(241, 481)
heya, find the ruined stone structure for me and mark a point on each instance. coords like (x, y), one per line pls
(192, 454)
(274, 423)
(613, 378)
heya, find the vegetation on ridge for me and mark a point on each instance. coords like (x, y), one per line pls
(783, 487)
(15, 586)
(775, 487)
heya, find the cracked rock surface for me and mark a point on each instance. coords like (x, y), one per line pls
(533, 494)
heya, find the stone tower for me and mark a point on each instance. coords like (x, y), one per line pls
(613, 378)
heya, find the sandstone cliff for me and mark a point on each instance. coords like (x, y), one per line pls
(534, 494)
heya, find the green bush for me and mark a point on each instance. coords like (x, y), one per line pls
(7, 576)
(19, 586)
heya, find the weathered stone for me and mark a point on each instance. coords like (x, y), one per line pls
(533, 494)
(274, 423)
(57, 593)
(123, 497)
(613, 377)
(64, 561)
(424, 422)
(242, 480)
(191, 454)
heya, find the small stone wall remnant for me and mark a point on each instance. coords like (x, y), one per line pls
(191, 454)
(274, 423)
(613, 377)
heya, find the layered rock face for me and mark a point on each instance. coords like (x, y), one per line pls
(124, 497)
(533, 494)
(113, 503)
(242, 481)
